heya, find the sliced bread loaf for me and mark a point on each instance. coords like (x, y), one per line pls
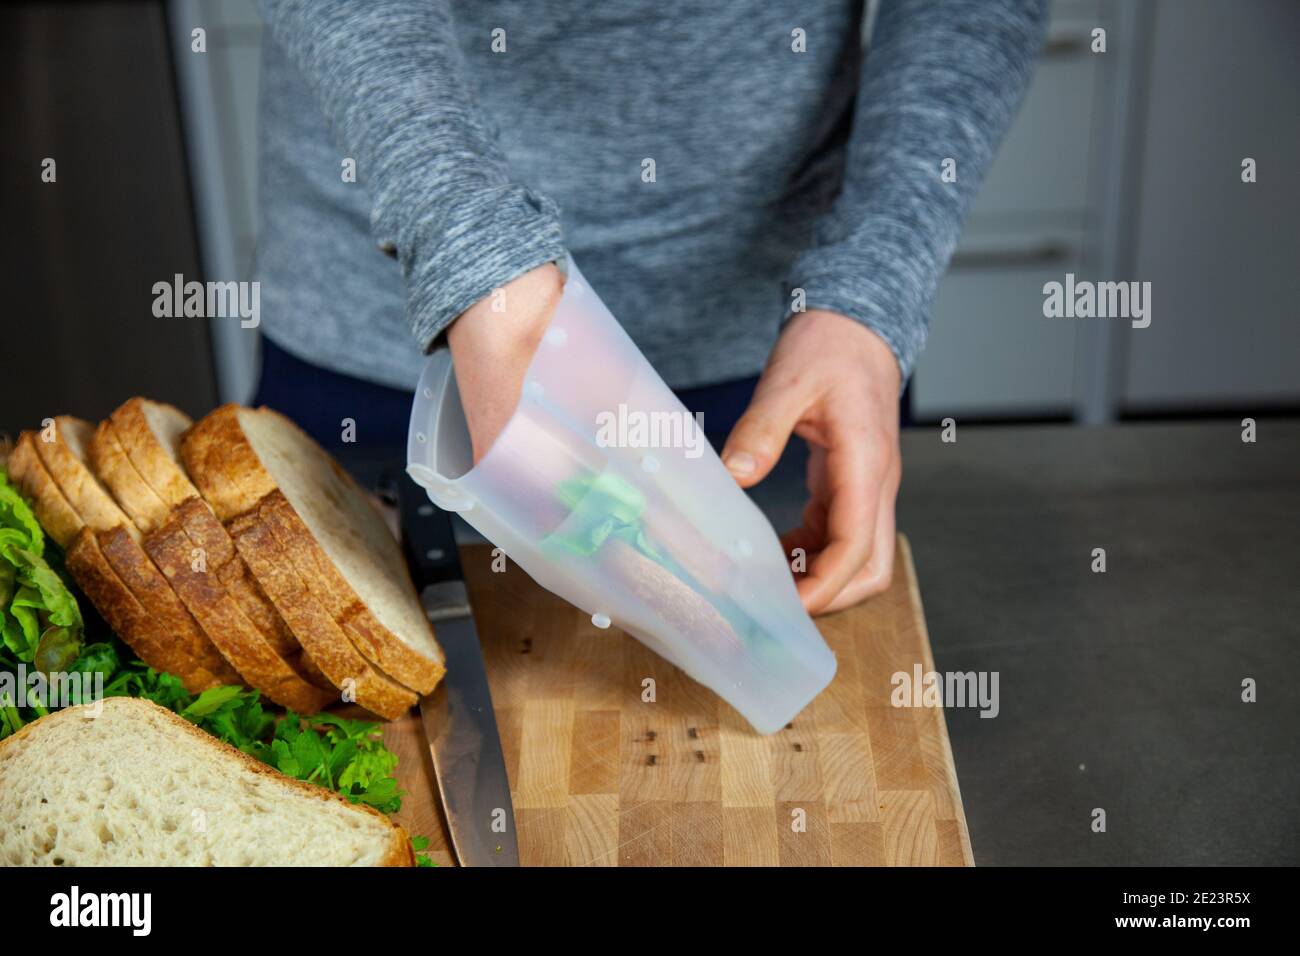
(191, 548)
(68, 497)
(256, 461)
(139, 786)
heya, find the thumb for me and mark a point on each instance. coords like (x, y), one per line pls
(755, 444)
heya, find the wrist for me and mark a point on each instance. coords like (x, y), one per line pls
(851, 339)
(510, 320)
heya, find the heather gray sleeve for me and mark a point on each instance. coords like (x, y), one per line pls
(942, 79)
(392, 83)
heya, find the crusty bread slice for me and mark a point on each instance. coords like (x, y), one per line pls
(110, 463)
(199, 586)
(134, 622)
(67, 496)
(320, 634)
(209, 535)
(67, 459)
(248, 461)
(169, 619)
(150, 433)
(139, 786)
(60, 521)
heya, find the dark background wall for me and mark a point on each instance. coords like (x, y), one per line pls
(90, 85)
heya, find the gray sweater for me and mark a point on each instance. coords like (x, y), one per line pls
(701, 161)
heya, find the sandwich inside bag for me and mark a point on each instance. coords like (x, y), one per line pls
(604, 490)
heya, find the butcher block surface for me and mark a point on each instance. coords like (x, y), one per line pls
(600, 777)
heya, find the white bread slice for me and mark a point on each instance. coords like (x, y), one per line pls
(117, 576)
(139, 786)
(150, 433)
(247, 461)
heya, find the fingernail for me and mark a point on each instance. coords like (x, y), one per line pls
(739, 462)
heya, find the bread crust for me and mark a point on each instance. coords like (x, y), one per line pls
(223, 465)
(270, 609)
(146, 452)
(128, 617)
(312, 672)
(318, 632)
(209, 534)
(115, 470)
(398, 851)
(88, 497)
(237, 638)
(229, 474)
(59, 519)
(169, 622)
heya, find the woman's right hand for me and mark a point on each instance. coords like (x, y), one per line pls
(493, 343)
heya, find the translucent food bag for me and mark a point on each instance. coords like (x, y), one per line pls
(603, 488)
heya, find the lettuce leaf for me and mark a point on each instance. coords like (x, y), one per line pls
(33, 596)
(15, 514)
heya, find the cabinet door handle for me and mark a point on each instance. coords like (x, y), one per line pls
(1038, 254)
(1065, 44)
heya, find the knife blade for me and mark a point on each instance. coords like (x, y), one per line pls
(459, 722)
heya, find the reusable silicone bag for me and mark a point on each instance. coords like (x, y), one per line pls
(600, 489)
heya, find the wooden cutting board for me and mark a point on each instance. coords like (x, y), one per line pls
(601, 778)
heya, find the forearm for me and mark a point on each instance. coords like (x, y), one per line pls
(393, 86)
(942, 80)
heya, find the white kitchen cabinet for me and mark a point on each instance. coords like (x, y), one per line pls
(1042, 168)
(991, 351)
(1221, 254)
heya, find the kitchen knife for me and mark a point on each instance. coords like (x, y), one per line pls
(458, 719)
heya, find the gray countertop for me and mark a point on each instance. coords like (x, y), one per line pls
(1121, 690)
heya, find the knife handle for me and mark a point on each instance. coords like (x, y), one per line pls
(427, 537)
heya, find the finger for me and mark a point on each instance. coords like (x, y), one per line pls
(877, 574)
(810, 536)
(814, 520)
(854, 476)
(755, 444)
(800, 546)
